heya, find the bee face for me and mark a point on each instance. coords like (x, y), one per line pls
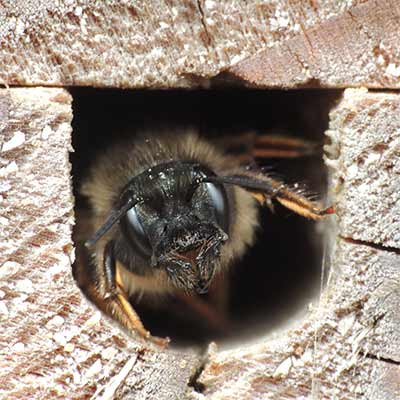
(180, 210)
(180, 223)
(190, 256)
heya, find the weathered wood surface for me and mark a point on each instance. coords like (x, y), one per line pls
(366, 156)
(185, 43)
(53, 344)
(357, 48)
(349, 345)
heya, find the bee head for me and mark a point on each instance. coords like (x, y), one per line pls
(175, 220)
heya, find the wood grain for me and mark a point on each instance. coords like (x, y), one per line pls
(365, 152)
(171, 43)
(356, 48)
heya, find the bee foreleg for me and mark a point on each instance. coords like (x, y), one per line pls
(116, 300)
(265, 189)
(281, 146)
(289, 198)
(301, 205)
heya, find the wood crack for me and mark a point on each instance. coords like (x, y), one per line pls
(376, 246)
(298, 59)
(384, 359)
(194, 383)
(203, 22)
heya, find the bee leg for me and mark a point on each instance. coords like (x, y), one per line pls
(280, 146)
(241, 146)
(250, 146)
(116, 300)
(265, 189)
(299, 203)
(295, 202)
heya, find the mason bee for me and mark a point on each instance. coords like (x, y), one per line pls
(170, 213)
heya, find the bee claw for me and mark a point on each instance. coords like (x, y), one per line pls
(329, 210)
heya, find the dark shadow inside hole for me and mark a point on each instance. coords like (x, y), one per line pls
(280, 274)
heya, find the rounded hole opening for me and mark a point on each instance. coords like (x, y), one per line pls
(273, 284)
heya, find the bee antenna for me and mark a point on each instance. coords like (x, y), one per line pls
(114, 217)
(246, 182)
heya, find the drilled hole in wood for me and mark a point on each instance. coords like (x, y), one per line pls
(272, 286)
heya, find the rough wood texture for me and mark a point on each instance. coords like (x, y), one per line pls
(368, 165)
(356, 48)
(53, 344)
(175, 43)
(349, 345)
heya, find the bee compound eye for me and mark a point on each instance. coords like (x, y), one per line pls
(219, 201)
(133, 228)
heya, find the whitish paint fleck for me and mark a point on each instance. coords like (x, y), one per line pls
(4, 221)
(235, 59)
(372, 158)
(94, 369)
(56, 321)
(112, 386)
(76, 377)
(297, 362)
(3, 309)
(19, 27)
(56, 269)
(93, 320)
(356, 341)
(5, 187)
(210, 4)
(283, 368)
(17, 140)
(307, 356)
(59, 338)
(109, 353)
(46, 132)
(352, 171)
(78, 11)
(393, 70)
(9, 169)
(25, 286)
(18, 347)
(346, 323)
(381, 60)
(69, 347)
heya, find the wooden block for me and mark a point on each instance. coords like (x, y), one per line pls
(53, 344)
(185, 43)
(387, 382)
(369, 282)
(355, 48)
(365, 158)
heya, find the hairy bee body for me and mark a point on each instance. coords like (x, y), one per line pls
(169, 213)
(116, 167)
